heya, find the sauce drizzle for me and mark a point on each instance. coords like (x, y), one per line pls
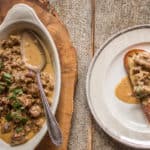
(124, 92)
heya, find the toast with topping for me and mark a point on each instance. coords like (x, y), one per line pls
(137, 65)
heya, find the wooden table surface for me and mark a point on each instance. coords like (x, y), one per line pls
(111, 16)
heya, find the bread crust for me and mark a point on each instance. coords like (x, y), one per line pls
(130, 54)
(145, 108)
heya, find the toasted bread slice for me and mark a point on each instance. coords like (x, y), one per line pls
(129, 54)
(132, 63)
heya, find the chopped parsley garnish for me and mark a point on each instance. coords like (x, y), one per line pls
(8, 117)
(12, 97)
(19, 129)
(2, 88)
(16, 105)
(17, 91)
(23, 121)
(1, 65)
(7, 77)
(16, 116)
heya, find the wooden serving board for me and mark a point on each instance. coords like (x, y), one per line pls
(68, 61)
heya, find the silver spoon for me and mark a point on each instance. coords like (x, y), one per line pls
(53, 127)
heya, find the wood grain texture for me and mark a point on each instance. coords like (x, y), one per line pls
(76, 15)
(111, 17)
(93, 27)
(67, 56)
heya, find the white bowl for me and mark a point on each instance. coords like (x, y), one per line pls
(21, 17)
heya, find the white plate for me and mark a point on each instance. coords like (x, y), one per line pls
(21, 17)
(124, 122)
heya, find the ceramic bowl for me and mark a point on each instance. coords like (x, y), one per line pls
(21, 17)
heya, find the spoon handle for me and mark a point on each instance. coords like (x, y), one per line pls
(52, 125)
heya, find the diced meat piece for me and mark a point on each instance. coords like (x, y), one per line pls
(4, 55)
(143, 60)
(35, 111)
(19, 77)
(27, 128)
(4, 101)
(33, 90)
(47, 81)
(143, 63)
(8, 68)
(26, 100)
(18, 138)
(13, 41)
(14, 64)
(37, 101)
(39, 122)
(136, 70)
(6, 127)
(16, 50)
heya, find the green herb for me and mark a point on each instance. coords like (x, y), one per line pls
(1, 65)
(17, 116)
(17, 91)
(19, 129)
(23, 121)
(2, 88)
(8, 117)
(12, 97)
(16, 105)
(7, 77)
(8, 81)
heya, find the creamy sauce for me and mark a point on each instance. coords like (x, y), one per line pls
(33, 57)
(31, 50)
(30, 135)
(6, 136)
(33, 54)
(124, 92)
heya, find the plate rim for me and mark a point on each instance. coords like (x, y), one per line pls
(92, 63)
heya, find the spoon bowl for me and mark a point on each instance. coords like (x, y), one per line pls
(40, 65)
